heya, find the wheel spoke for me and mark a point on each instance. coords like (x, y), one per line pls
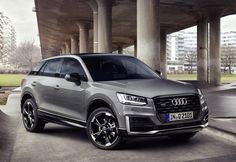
(25, 112)
(107, 140)
(97, 135)
(31, 122)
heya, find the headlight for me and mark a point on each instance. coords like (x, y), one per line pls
(202, 100)
(200, 95)
(131, 99)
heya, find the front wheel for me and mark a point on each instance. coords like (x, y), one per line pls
(102, 129)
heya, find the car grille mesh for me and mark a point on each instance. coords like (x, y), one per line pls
(164, 105)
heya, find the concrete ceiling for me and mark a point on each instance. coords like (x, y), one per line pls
(57, 19)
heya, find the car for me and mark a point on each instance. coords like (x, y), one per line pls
(113, 96)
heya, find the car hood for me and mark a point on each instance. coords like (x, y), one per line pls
(149, 87)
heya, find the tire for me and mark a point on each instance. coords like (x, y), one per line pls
(102, 129)
(30, 117)
(182, 136)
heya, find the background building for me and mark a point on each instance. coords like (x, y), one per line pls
(182, 51)
(7, 40)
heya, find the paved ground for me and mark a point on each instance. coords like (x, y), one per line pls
(59, 143)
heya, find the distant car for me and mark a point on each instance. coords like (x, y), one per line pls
(112, 96)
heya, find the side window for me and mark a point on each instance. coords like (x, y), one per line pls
(71, 65)
(51, 68)
(36, 68)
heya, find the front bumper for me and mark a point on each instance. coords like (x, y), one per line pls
(164, 129)
(144, 121)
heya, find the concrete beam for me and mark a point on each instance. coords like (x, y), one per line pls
(148, 32)
(202, 40)
(215, 62)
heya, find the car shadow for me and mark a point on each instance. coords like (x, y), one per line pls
(66, 132)
(130, 143)
(154, 143)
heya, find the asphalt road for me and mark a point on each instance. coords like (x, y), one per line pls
(221, 105)
(59, 143)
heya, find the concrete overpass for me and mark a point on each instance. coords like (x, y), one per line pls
(77, 26)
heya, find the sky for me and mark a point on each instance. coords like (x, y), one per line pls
(22, 18)
(25, 22)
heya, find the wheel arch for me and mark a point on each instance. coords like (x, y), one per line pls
(25, 96)
(97, 103)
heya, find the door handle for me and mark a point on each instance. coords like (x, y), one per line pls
(34, 83)
(57, 87)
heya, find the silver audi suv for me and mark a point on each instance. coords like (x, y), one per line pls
(112, 96)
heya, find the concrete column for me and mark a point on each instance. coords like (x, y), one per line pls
(104, 26)
(202, 39)
(215, 64)
(163, 59)
(67, 44)
(94, 6)
(120, 50)
(95, 31)
(83, 37)
(135, 48)
(63, 50)
(148, 32)
(74, 44)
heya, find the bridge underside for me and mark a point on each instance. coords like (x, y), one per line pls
(76, 26)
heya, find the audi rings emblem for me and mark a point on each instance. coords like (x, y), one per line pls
(179, 101)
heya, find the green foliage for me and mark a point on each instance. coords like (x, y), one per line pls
(11, 80)
(225, 78)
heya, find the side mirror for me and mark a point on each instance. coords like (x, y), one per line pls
(158, 72)
(73, 77)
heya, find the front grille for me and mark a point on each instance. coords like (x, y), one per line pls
(164, 105)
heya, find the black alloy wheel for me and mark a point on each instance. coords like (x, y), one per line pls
(30, 117)
(102, 129)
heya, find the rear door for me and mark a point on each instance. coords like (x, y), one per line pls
(47, 85)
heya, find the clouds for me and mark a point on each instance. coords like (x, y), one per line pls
(22, 17)
(228, 23)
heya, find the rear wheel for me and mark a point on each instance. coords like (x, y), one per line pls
(102, 129)
(182, 136)
(30, 117)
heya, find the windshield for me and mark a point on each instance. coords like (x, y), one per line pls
(108, 68)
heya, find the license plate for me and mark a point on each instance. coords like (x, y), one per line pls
(179, 116)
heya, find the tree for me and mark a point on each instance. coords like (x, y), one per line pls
(26, 55)
(191, 59)
(228, 58)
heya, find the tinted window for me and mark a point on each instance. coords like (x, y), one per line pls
(71, 65)
(37, 68)
(52, 68)
(106, 68)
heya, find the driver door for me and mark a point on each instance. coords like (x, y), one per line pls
(71, 96)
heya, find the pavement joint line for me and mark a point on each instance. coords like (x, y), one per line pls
(224, 117)
(221, 133)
